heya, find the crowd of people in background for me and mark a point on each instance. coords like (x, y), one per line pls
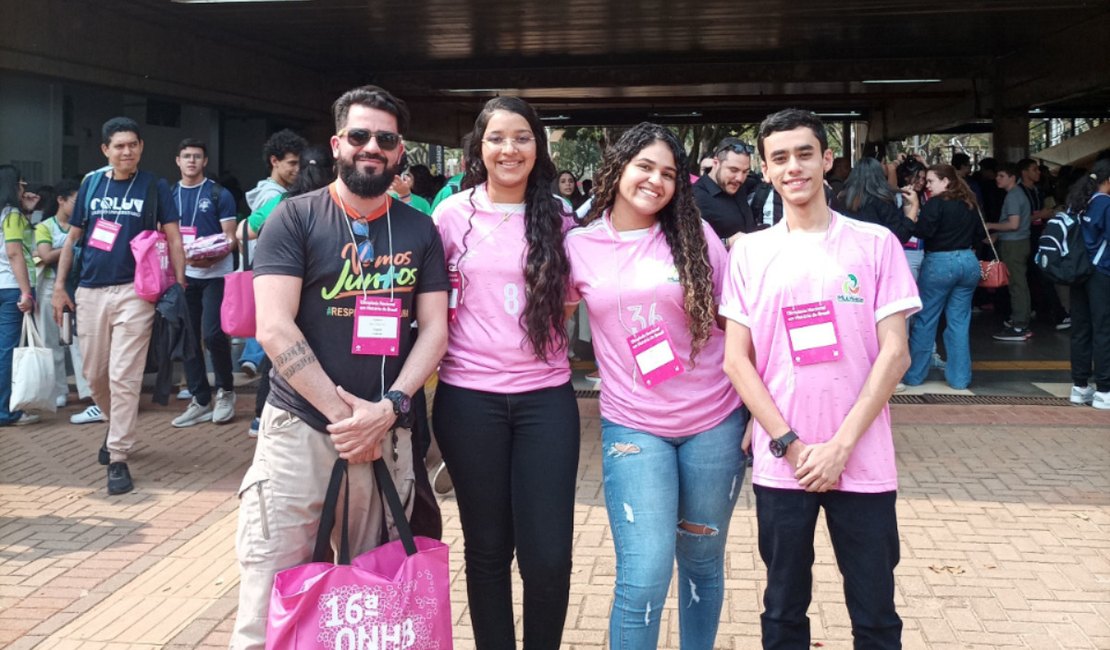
(759, 313)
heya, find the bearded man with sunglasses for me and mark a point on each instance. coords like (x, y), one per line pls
(720, 193)
(341, 274)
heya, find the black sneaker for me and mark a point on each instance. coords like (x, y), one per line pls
(102, 456)
(119, 479)
(1014, 334)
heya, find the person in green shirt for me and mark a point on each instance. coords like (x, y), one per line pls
(401, 189)
(453, 185)
(17, 276)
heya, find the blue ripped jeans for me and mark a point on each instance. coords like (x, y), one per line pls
(653, 486)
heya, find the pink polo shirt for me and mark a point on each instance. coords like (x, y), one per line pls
(861, 268)
(629, 281)
(487, 348)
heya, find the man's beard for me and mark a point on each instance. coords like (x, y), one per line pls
(367, 185)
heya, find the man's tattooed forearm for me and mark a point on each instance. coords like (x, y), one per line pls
(295, 359)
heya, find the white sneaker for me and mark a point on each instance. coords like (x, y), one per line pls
(194, 414)
(225, 406)
(31, 418)
(900, 388)
(249, 369)
(60, 401)
(184, 394)
(1101, 401)
(1082, 395)
(88, 416)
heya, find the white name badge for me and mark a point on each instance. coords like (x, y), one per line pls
(104, 234)
(188, 234)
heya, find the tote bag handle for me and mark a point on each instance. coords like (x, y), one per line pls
(388, 491)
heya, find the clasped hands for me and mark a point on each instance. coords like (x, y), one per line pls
(358, 438)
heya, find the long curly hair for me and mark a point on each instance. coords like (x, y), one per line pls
(546, 268)
(679, 220)
(957, 188)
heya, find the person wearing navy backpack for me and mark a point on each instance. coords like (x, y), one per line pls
(1090, 301)
(114, 206)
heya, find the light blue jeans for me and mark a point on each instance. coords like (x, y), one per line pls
(947, 283)
(653, 486)
(253, 352)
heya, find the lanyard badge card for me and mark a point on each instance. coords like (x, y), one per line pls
(377, 326)
(653, 351)
(812, 333)
(454, 277)
(104, 234)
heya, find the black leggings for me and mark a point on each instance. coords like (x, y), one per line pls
(514, 462)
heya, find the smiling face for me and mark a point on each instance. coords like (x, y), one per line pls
(647, 182)
(508, 163)
(796, 166)
(367, 170)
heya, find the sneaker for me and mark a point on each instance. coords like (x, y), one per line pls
(224, 410)
(119, 479)
(1008, 324)
(1014, 334)
(1101, 401)
(441, 480)
(249, 369)
(25, 419)
(1082, 395)
(938, 363)
(194, 414)
(900, 388)
(104, 456)
(594, 378)
(60, 401)
(253, 431)
(1064, 324)
(88, 416)
(184, 394)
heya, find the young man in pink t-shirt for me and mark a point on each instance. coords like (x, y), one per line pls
(815, 344)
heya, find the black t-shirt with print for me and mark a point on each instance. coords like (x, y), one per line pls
(308, 237)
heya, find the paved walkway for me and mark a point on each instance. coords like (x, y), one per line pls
(1004, 515)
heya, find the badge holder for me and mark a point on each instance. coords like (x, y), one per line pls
(653, 351)
(454, 278)
(104, 235)
(812, 333)
(188, 235)
(377, 326)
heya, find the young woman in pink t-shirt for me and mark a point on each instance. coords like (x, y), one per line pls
(651, 273)
(505, 414)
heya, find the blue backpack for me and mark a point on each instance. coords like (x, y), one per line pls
(1061, 253)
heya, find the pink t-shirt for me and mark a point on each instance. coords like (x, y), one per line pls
(487, 348)
(861, 269)
(629, 281)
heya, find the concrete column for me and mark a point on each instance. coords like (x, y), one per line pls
(1011, 135)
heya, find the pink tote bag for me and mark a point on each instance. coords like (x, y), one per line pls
(237, 309)
(153, 273)
(395, 596)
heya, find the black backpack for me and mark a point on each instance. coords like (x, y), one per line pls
(1061, 252)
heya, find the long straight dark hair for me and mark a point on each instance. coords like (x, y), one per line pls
(9, 187)
(546, 268)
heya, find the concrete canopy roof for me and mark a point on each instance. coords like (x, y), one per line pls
(619, 62)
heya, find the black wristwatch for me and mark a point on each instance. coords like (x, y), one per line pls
(402, 408)
(778, 445)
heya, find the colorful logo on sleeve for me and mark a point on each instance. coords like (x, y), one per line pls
(850, 291)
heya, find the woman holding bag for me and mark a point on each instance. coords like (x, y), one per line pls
(16, 278)
(651, 273)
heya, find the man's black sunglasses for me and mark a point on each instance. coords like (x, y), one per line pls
(735, 147)
(387, 140)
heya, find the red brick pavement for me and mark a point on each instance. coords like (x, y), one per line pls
(1004, 515)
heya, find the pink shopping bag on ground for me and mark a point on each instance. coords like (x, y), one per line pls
(394, 597)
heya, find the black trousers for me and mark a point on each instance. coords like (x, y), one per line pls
(514, 462)
(864, 533)
(204, 298)
(1090, 332)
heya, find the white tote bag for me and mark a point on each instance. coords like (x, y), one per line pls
(32, 371)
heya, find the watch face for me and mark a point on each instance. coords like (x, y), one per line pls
(776, 449)
(405, 403)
